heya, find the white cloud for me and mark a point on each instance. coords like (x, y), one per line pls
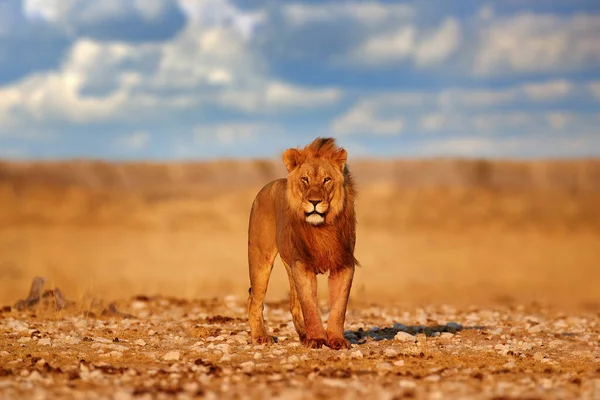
(486, 13)
(275, 96)
(73, 15)
(134, 141)
(480, 98)
(222, 13)
(594, 88)
(203, 65)
(530, 43)
(558, 120)
(406, 42)
(366, 12)
(536, 145)
(227, 134)
(439, 45)
(363, 119)
(433, 121)
(548, 90)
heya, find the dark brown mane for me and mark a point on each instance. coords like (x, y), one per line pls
(331, 246)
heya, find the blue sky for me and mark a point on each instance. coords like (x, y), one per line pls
(195, 79)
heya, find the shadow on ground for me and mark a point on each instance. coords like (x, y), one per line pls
(360, 336)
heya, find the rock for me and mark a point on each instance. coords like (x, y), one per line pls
(398, 363)
(45, 342)
(446, 335)
(140, 342)
(247, 366)
(400, 327)
(356, 354)
(172, 356)
(122, 395)
(384, 366)
(535, 328)
(223, 347)
(454, 326)
(390, 353)
(293, 359)
(404, 337)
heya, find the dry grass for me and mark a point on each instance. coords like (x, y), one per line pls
(441, 231)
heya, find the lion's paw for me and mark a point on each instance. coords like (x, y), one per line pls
(315, 343)
(338, 343)
(263, 340)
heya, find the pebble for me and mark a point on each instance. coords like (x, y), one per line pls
(247, 366)
(390, 352)
(172, 356)
(385, 366)
(293, 359)
(404, 337)
(140, 342)
(45, 342)
(356, 354)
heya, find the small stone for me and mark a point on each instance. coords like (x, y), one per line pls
(404, 337)
(535, 329)
(122, 395)
(384, 366)
(225, 358)
(172, 356)
(191, 387)
(390, 353)
(405, 384)
(454, 326)
(140, 342)
(45, 342)
(223, 347)
(446, 335)
(400, 327)
(293, 359)
(257, 355)
(247, 366)
(398, 363)
(356, 354)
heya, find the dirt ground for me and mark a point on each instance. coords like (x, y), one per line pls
(478, 280)
(168, 347)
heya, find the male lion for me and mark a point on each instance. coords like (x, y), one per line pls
(309, 220)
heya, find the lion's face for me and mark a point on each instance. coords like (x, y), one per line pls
(315, 186)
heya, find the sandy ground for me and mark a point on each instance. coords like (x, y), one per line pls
(506, 253)
(169, 348)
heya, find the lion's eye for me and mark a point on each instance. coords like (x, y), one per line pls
(305, 179)
(326, 180)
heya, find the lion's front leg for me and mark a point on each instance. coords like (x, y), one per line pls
(305, 281)
(340, 282)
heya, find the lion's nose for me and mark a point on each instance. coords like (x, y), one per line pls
(314, 202)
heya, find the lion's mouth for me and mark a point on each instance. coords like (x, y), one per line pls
(314, 217)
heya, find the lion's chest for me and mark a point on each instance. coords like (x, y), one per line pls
(320, 249)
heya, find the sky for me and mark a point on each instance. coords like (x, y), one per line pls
(198, 79)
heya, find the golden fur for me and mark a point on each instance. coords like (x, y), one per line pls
(309, 220)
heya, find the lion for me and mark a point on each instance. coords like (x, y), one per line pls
(309, 220)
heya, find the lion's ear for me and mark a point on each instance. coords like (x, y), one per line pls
(340, 157)
(292, 158)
